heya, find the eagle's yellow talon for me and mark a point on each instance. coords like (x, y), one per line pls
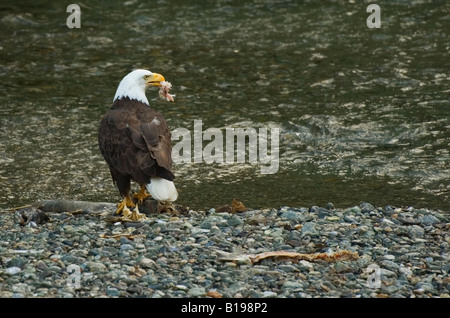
(136, 216)
(126, 214)
(122, 206)
(141, 195)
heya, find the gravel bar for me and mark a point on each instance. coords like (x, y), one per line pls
(401, 252)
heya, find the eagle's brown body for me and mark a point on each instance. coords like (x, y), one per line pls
(135, 142)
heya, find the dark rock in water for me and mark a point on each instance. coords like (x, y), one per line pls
(31, 216)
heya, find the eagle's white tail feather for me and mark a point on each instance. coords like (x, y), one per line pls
(162, 189)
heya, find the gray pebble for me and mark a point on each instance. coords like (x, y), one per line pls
(292, 286)
(353, 210)
(112, 292)
(96, 267)
(235, 221)
(126, 247)
(366, 207)
(147, 263)
(390, 265)
(309, 228)
(426, 287)
(416, 231)
(428, 220)
(108, 251)
(196, 291)
(351, 219)
(408, 218)
(269, 294)
(13, 270)
(293, 215)
(16, 262)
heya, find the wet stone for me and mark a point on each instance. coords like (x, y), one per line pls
(112, 292)
(408, 219)
(428, 220)
(309, 228)
(196, 291)
(293, 215)
(235, 221)
(416, 231)
(126, 247)
(291, 286)
(367, 208)
(13, 270)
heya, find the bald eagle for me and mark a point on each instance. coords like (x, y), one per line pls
(135, 142)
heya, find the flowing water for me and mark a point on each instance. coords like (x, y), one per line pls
(363, 113)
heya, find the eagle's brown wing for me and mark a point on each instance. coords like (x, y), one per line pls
(135, 142)
(153, 138)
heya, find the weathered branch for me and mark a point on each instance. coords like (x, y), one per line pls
(343, 255)
(59, 206)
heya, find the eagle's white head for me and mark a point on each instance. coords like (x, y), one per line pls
(135, 83)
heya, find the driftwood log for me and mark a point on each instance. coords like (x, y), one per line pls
(60, 206)
(35, 213)
(149, 206)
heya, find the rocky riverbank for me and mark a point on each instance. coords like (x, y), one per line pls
(400, 252)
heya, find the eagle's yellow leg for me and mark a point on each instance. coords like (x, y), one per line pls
(141, 195)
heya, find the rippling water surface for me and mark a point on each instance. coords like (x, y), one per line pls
(364, 114)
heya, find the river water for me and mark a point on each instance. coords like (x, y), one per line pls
(363, 113)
